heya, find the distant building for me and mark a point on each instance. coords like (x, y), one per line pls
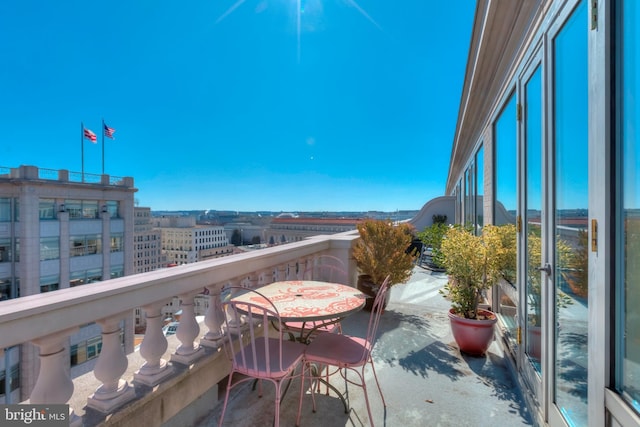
(147, 242)
(286, 229)
(184, 242)
(59, 230)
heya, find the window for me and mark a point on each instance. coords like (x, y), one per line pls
(94, 275)
(82, 209)
(5, 250)
(505, 142)
(49, 283)
(6, 291)
(85, 350)
(117, 242)
(627, 359)
(112, 208)
(479, 219)
(14, 379)
(49, 248)
(90, 209)
(117, 271)
(5, 209)
(85, 245)
(47, 209)
(505, 207)
(74, 207)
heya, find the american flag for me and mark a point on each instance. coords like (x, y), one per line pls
(108, 132)
(90, 136)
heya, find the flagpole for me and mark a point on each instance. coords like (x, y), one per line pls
(82, 147)
(102, 132)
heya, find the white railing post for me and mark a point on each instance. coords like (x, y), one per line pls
(111, 364)
(214, 320)
(188, 330)
(253, 280)
(153, 346)
(235, 323)
(54, 384)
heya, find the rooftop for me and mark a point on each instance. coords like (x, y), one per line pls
(426, 381)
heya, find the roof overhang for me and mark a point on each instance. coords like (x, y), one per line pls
(500, 31)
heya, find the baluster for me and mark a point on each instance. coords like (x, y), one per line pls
(111, 364)
(281, 272)
(54, 385)
(235, 323)
(153, 346)
(253, 280)
(213, 319)
(265, 277)
(188, 330)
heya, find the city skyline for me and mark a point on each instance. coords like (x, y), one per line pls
(334, 105)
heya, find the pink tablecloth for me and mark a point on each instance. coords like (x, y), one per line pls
(308, 300)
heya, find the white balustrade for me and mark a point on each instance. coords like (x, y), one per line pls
(153, 346)
(213, 319)
(188, 330)
(54, 385)
(48, 320)
(112, 363)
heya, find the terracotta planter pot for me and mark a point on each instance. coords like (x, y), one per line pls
(473, 336)
(367, 287)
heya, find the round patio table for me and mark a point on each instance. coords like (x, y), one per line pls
(308, 300)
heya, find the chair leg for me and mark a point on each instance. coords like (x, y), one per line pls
(366, 395)
(373, 368)
(226, 400)
(306, 368)
(276, 422)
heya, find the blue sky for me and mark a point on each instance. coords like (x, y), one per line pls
(284, 105)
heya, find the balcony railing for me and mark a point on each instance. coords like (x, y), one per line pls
(48, 320)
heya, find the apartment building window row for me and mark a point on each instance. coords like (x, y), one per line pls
(90, 209)
(85, 245)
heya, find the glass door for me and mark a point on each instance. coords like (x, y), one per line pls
(568, 247)
(554, 217)
(533, 224)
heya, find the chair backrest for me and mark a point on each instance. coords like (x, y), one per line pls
(253, 346)
(376, 312)
(327, 268)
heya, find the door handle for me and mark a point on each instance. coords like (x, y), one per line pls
(546, 268)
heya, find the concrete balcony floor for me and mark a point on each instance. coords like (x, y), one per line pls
(424, 378)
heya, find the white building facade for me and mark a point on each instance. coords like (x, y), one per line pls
(59, 230)
(184, 242)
